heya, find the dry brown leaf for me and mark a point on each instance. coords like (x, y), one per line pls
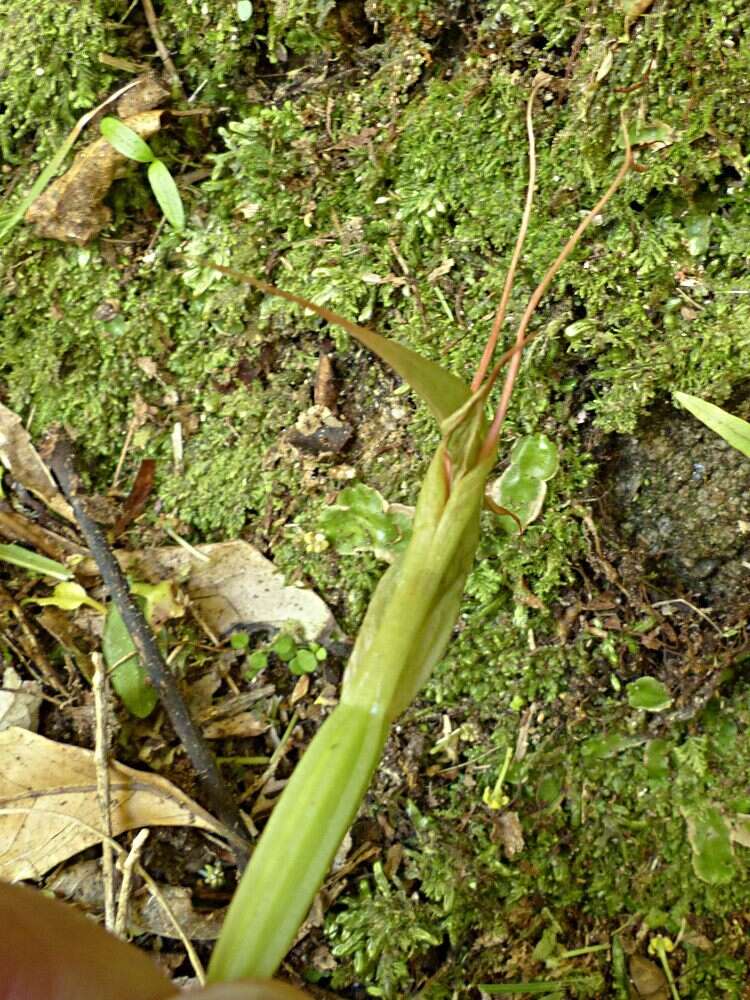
(72, 208)
(510, 833)
(49, 809)
(244, 724)
(82, 884)
(19, 702)
(300, 689)
(233, 584)
(648, 979)
(20, 458)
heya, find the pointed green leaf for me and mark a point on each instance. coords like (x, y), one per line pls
(166, 193)
(128, 676)
(125, 140)
(440, 390)
(17, 555)
(734, 430)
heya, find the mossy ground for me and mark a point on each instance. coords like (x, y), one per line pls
(373, 159)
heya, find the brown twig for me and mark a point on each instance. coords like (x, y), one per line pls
(29, 643)
(59, 452)
(161, 48)
(101, 750)
(126, 886)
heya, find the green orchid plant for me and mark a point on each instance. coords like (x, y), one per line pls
(406, 628)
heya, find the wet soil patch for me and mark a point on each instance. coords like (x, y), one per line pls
(679, 497)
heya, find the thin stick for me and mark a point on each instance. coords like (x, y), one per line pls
(275, 758)
(29, 642)
(123, 901)
(161, 48)
(132, 427)
(59, 450)
(101, 749)
(521, 340)
(489, 349)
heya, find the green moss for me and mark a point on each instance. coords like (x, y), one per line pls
(49, 53)
(380, 168)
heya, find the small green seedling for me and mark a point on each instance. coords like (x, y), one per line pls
(734, 430)
(408, 624)
(495, 797)
(662, 946)
(300, 659)
(129, 144)
(213, 875)
(362, 521)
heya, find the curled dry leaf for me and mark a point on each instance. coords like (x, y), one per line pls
(20, 458)
(72, 208)
(49, 809)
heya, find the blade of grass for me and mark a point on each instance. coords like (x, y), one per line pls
(17, 555)
(734, 430)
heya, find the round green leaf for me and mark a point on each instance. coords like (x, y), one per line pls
(239, 640)
(649, 695)
(125, 140)
(535, 456)
(304, 662)
(256, 662)
(284, 647)
(166, 193)
(244, 10)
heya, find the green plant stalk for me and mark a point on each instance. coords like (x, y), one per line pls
(405, 632)
(299, 843)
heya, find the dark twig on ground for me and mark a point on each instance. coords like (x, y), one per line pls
(59, 454)
(161, 48)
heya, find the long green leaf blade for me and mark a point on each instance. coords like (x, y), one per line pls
(734, 430)
(17, 555)
(125, 140)
(298, 844)
(439, 389)
(166, 193)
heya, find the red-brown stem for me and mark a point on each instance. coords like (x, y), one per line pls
(497, 324)
(493, 434)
